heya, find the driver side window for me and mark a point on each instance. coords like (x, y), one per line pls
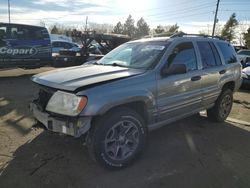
(184, 53)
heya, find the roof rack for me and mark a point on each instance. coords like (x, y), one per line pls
(182, 34)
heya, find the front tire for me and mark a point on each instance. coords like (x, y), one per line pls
(117, 138)
(222, 107)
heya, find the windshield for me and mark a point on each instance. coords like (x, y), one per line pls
(244, 52)
(140, 55)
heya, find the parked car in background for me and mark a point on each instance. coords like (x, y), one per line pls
(139, 86)
(238, 48)
(246, 76)
(61, 45)
(58, 37)
(94, 46)
(244, 57)
(244, 52)
(25, 46)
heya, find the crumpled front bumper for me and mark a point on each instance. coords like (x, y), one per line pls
(76, 126)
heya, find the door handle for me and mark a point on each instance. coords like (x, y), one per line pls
(222, 71)
(195, 78)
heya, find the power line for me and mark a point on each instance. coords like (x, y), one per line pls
(167, 17)
(163, 18)
(169, 13)
(173, 15)
(227, 10)
(160, 15)
(235, 3)
(164, 7)
(178, 14)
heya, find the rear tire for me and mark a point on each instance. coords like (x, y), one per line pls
(117, 138)
(222, 107)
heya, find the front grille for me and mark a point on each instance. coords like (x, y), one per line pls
(43, 98)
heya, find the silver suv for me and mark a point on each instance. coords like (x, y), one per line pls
(139, 86)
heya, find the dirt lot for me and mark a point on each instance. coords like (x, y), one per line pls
(190, 153)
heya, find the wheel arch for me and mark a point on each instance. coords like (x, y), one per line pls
(229, 85)
(139, 106)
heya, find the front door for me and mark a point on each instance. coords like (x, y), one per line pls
(180, 94)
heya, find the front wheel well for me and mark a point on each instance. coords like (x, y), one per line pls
(229, 85)
(138, 106)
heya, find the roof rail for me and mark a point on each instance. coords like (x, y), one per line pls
(182, 34)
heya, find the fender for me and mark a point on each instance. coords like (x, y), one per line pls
(99, 105)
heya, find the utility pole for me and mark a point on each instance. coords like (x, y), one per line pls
(9, 9)
(86, 24)
(215, 16)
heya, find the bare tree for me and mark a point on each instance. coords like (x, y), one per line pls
(100, 28)
(241, 29)
(209, 29)
(42, 23)
(118, 29)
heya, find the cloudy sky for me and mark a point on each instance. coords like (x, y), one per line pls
(190, 15)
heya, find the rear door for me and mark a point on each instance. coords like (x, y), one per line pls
(213, 69)
(180, 94)
(232, 65)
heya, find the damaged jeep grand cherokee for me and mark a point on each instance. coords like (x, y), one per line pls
(139, 86)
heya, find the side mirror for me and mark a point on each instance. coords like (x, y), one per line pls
(174, 69)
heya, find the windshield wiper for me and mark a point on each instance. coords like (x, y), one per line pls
(116, 65)
(96, 63)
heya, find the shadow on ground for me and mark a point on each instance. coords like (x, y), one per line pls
(15, 97)
(191, 153)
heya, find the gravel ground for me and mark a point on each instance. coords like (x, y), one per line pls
(189, 153)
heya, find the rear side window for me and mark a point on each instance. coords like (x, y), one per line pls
(67, 45)
(228, 52)
(38, 33)
(27, 33)
(18, 32)
(55, 44)
(207, 55)
(216, 53)
(184, 53)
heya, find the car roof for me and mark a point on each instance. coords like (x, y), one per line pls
(165, 39)
(16, 24)
(162, 39)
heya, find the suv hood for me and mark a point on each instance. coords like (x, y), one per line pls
(72, 78)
